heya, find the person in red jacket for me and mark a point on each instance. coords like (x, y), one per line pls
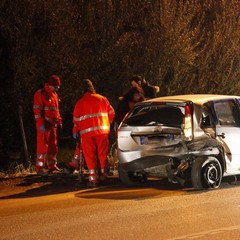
(47, 116)
(92, 117)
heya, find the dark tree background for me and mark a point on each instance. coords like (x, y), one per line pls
(181, 46)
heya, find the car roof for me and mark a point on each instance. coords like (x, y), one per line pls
(195, 98)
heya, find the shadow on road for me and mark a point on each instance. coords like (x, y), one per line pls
(116, 190)
(35, 186)
(152, 188)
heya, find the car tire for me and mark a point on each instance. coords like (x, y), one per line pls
(128, 178)
(206, 173)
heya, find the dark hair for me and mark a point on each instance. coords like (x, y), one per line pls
(87, 86)
(135, 78)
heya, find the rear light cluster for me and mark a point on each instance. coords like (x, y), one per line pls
(187, 129)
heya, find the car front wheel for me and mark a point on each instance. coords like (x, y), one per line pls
(206, 173)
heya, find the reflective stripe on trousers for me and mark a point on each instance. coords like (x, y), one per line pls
(93, 176)
(40, 161)
(75, 161)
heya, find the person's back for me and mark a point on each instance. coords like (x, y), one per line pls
(92, 116)
(96, 109)
(94, 103)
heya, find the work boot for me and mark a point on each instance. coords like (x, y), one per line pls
(43, 172)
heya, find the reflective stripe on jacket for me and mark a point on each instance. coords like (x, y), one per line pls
(92, 115)
(45, 106)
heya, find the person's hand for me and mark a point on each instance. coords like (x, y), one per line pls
(75, 136)
(43, 128)
(60, 126)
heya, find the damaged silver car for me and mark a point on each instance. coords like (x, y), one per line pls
(185, 138)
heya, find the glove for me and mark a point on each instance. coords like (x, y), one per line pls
(43, 128)
(75, 136)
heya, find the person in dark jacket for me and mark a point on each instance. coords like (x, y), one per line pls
(127, 102)
(148, 90)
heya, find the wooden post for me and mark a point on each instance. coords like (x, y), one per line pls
(20, 113)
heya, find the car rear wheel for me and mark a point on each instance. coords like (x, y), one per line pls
(128, 178)
(206, 173)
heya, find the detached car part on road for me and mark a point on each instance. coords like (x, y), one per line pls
(185, 138)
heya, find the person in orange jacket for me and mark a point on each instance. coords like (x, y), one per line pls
(47, 116)
(92, 117)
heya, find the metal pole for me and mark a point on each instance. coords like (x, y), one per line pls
(20, 112)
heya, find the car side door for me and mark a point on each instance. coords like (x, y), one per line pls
(228, 132)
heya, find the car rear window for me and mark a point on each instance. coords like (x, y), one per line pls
(155, 115)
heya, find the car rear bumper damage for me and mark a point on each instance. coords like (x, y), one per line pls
(171, 163)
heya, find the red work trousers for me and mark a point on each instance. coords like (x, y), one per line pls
(76, 160)
(95, 151)
(46, 148)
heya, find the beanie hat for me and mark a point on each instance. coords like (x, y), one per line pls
(54, 80)
(87, 85)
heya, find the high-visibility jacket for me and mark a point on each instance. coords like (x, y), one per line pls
(92, 115)
(45, 107)
(46, 112)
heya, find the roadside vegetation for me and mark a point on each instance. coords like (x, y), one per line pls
(182, 46)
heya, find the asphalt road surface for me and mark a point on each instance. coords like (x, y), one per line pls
(59, 207)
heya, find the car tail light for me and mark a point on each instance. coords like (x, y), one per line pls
(188, 123)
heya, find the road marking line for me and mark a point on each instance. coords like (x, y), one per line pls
(202, 234)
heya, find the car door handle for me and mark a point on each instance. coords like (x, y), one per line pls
(222, 135)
